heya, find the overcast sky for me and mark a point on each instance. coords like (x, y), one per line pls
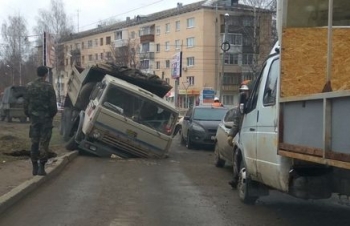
(90, 12)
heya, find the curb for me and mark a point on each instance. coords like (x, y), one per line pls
(17, 193)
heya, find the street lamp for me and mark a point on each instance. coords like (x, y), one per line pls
(186, 88)
(225, 46)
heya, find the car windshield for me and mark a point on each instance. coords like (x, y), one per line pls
(209, 114)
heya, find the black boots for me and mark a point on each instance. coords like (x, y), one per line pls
(41, 170)
(35, 167)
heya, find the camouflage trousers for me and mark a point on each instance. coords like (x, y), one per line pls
(40, 133)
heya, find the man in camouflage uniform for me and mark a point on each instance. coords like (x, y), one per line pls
(40, 106)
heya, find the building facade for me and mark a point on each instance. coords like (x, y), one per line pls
(198, 31)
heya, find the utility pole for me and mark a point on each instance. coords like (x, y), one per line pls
(225, 46)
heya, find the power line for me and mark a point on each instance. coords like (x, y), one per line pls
(141, 7)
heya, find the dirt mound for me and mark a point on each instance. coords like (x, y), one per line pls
(8, 137)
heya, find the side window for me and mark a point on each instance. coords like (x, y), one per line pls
(230, 115)
(270, 91)
(253, 96)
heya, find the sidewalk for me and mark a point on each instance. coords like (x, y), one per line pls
(16, 178)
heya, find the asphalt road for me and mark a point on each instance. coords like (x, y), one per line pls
(185, 189)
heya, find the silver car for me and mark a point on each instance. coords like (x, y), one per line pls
(223, 151)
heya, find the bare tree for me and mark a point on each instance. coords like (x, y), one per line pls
(14, 34)
(126, 55)
(259, 35)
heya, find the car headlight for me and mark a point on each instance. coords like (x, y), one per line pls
(96, 134)
(197, 128)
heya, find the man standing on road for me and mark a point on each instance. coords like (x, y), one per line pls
(40, 106)
(237, 121)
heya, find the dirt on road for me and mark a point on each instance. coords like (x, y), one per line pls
(15, 165)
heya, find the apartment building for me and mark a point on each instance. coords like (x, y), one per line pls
(197, 30)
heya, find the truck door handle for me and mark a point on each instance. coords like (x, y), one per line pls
(251, 129)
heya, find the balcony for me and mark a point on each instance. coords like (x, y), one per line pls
(147, 38)
(230, 87)
(147, 55)
(121, 43)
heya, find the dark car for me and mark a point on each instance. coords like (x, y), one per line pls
(223, 151)
(200, 124)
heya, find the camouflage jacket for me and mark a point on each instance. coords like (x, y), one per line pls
(237, 121)
(40, 99)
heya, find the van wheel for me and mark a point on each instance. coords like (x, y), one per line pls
(244, 185)
(219, 162)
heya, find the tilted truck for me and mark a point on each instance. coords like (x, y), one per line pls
(295, 134)
(117, 111)
(11, 104)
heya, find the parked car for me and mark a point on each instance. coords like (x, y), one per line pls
(200, 124)
(223, 151)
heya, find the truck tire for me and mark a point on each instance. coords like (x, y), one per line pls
(71, 145)
(84, 95)
(66, 123)
(243, 186)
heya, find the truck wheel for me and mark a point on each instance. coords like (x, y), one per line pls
(66, 123)
(219, 162)
(71, 145)
(244, 185)
(84, 95)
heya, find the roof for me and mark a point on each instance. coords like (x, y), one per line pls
(137, 20)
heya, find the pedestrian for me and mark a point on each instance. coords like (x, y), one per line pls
(237, 121)
(217, 102)
(40, 106)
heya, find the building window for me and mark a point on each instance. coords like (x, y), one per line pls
(190, 80)
(247, 59)
(96, 42)
(177, 44)
(190, 61)
(117, 35)
(232, 79)
(190, 22)
(109, 56)
(158, 47)
(82, 59)
(82, 45)
(167, 46)
(145, 47)
(190, 42)
(108, 40)
(132, 34)
(167, 80)
(167, 28)
(96, 56)
(177, 25)
(101, 41)
(228, 99)
(77, 45)
(89, 44)
(234, 39)
(167, 63)
(101, 56)
(158, 65)
(90, 57)
(145, 64)
(232, 59)
(248, 21)
(158, 30)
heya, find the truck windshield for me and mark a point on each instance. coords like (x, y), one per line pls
(140, 109)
